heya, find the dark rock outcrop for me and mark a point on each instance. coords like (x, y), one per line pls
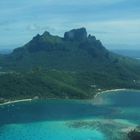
(76, 35)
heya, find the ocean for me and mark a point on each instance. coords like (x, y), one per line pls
(110, 116)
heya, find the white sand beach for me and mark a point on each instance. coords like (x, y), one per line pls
(111, 90)
(15, 101)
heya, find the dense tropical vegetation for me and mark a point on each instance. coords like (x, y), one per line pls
(74, 66)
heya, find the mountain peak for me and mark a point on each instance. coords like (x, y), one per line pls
(48, 42)
(76, 34)
(46, 33)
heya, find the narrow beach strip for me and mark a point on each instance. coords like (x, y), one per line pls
(15, 101)
(111, 90)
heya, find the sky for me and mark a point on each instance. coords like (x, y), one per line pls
(115, 22)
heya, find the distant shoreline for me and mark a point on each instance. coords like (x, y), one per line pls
(111, 90)
(15, 101)
(29, 99)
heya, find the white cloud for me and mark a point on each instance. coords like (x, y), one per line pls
(25, 19)
(121, 31)
(129, 26)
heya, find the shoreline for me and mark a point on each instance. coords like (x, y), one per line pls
(15, 101)
(111, 90)
(31, 99)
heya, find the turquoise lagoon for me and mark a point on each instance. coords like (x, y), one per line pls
(108, 117)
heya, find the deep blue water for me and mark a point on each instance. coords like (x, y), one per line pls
(109, 115)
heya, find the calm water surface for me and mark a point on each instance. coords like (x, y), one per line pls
(110, 116)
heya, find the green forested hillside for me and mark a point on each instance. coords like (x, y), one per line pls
(58, 84)
(74, 66)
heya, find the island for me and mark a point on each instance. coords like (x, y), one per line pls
(76, 66)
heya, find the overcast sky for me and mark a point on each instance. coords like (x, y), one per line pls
(114, 22)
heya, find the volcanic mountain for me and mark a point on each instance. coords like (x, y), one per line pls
(76, 62)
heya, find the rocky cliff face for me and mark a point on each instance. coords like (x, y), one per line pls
(76, 35)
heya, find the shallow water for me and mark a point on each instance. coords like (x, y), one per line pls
(108, 117)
